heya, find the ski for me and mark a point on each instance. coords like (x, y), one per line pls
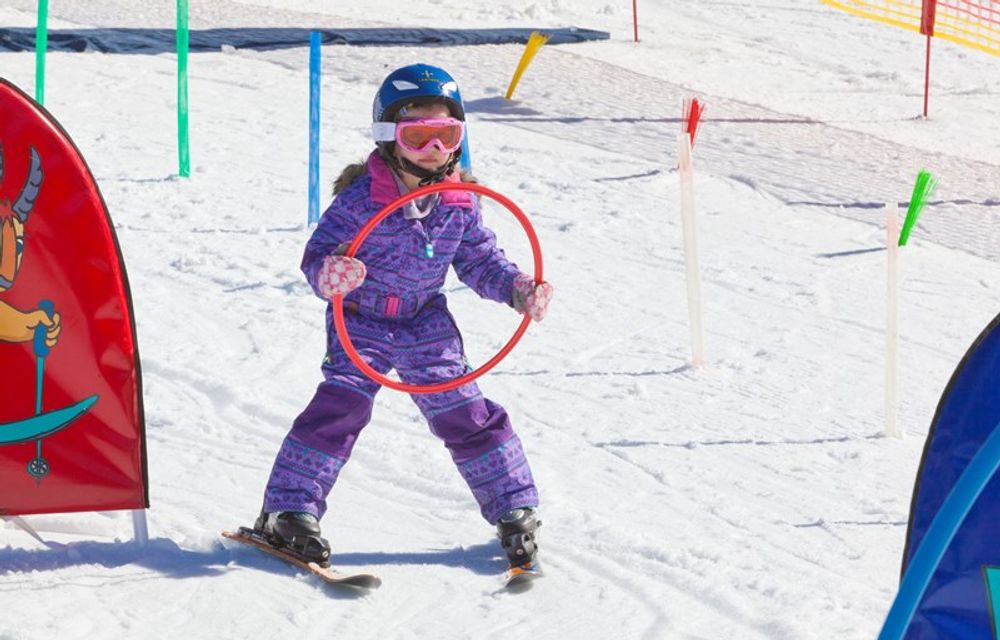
(247, 536)
(519, 575)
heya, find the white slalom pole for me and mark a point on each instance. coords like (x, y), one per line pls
(695, 314)
(892, 320)
(139, 527)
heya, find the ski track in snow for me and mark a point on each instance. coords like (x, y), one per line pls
(678, 503)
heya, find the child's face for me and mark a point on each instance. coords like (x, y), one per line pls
(431, 158)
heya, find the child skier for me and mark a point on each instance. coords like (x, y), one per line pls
(398, 319)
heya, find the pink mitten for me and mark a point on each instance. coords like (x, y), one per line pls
(530, 298)
(340, 275)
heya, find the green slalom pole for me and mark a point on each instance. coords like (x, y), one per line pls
(41, 44)
(183, 39)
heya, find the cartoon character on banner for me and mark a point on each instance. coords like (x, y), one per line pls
(41, 326)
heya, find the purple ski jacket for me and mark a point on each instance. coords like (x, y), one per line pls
(407, 259)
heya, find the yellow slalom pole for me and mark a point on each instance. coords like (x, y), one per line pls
(535, 42)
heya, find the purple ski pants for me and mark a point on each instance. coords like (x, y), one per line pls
(423, 349)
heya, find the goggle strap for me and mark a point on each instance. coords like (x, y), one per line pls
(384, 131)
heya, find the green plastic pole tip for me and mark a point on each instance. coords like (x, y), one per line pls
(924, 187)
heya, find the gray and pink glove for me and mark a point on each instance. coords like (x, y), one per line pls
(339, 275)
(530, 298)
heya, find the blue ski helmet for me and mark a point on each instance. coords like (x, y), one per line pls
(416, 83)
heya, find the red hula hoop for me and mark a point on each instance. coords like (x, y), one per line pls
(338, 301)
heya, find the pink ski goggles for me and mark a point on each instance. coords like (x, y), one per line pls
(420, 134)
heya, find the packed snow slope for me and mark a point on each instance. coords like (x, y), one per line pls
(754, 498)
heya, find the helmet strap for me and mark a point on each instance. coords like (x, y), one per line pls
(427, 176)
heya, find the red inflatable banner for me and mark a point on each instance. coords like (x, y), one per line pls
(72, 436)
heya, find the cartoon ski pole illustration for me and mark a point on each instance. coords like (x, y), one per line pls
(39, 467)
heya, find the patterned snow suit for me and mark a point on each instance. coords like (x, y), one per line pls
(398, 319)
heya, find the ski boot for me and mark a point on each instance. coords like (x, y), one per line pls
(516, 530)
(296, 532)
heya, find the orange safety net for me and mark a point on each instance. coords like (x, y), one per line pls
(973, 23)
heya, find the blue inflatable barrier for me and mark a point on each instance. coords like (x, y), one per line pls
(154, 41)
(960, 597)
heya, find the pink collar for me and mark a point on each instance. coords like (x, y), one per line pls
(384, 189)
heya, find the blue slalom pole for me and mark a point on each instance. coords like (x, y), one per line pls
(314, 87)
(939, 535)
(466, 161)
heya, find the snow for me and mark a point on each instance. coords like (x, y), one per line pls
(753, 498)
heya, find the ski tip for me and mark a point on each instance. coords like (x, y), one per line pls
(335, 576)
(521, 575)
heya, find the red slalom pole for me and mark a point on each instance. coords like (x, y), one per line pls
(928, 14)
(635, 20)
